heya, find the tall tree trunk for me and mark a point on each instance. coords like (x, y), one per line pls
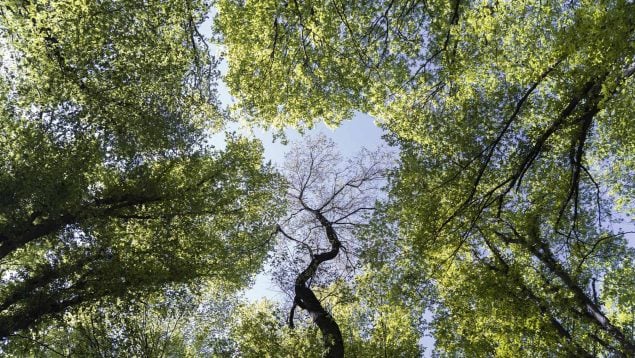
(306, 299)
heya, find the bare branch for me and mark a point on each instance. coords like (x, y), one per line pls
(328, 198)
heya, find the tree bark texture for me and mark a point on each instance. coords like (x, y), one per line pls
(306, 299)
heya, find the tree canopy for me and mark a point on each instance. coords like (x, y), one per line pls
(107, 185)
(496, 232)
(517, 148)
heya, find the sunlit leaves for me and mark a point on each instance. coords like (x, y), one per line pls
(370, 329)
(514, 120)
(108, 184)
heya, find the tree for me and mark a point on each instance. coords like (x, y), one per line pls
(513, 120)
(328, 199)
(107, 186)
(369, 330)
(175, 321)
(295, 63)
(260, 330)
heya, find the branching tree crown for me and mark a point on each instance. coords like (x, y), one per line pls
(514, 120)
(329, 198)
(107, 187)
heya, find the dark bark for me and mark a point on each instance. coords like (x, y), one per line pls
(31, 314)
(586, 307)
(503, 268)
(306, 299)
(331, 334)
(590, 309)
(28, 232)
(10, 243)
(40, 295)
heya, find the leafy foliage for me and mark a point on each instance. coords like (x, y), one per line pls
(176, 322)
(510, 180)
(517, 156)
(107, 186)
(369, 329)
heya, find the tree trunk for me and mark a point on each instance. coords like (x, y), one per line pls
(306, 299)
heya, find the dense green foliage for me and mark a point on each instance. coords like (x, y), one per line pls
(518, 150)
(108, 188)
(370, 328)
(181, 323)
(120, 222)
(175, 322)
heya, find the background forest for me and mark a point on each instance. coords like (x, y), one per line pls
(497, 223)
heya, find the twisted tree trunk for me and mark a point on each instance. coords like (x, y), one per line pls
(306, 299)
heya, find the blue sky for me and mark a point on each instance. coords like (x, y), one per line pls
(353, 135)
